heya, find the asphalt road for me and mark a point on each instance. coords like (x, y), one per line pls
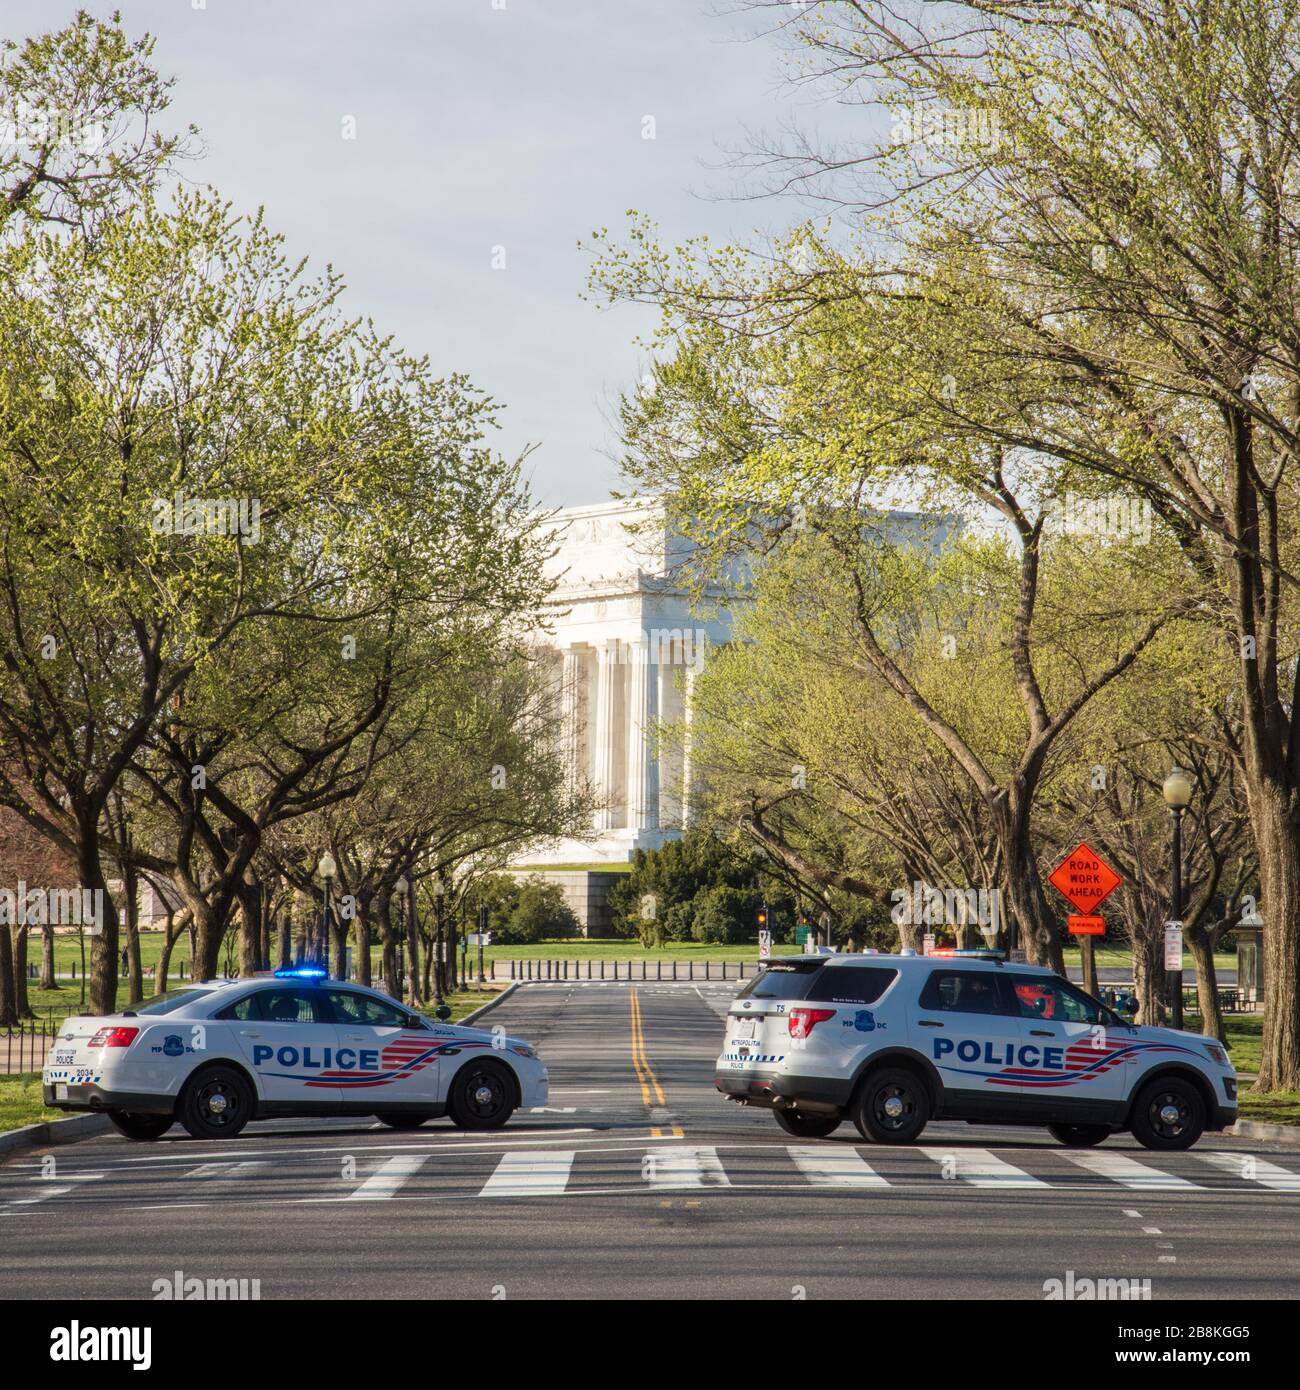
(639, 1180)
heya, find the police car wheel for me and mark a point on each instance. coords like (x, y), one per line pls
(804, 1126)
(397, 1121)
(141, 1126)
(216, 1103)
(892, 1107)
(1079, 1136)
(482, 1096)
(1168, 1114)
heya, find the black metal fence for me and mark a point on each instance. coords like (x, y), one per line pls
(24, 1048)
(701, 970)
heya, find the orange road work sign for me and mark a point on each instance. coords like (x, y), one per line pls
(1085, 878)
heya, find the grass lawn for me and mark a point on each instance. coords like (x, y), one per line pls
(1117, 958)
(20, 1102)
(1245, 1038)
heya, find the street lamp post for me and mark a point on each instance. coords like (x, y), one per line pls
(1177, 791)
(327, 868)
(399, 893)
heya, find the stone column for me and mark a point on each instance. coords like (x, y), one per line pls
(571, 695)
(607, 672)
(688, 714)
(642, 763)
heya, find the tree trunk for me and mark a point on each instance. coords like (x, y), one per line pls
(48, 978)
(285, 942)
(413, 953)
(387, 944)
(8, 1000)
(361, 942)
(1036, 930)
(250, 930)
(1201, 944)
(1148, 974)
(21, 1005)
(104, 935)
(165, 955)
(134, 975)
(1276, 824)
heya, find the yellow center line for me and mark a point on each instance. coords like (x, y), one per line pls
(644, 1071)
(636, 1048)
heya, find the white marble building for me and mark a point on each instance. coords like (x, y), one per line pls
(626, 646)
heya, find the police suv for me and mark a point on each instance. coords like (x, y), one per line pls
(893, 1042)
(221, 1053)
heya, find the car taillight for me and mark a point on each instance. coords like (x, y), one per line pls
(113, 1037)
(803, 1021)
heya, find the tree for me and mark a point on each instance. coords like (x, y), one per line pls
(1097, 210)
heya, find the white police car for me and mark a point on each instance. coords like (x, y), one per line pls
(893, 1042)
(221, 1053)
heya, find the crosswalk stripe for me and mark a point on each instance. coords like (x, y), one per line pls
(53, 1189)
(1129, 1173)
(980, 1168)
(390, 1178)
(834, 1168)
(531, 1173)
(208, 1173)
(1251, 1169)
(685, 1168)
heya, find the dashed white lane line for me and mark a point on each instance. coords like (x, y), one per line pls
(826, 1168)
(1251, 1169)
(1131, 1174)
(389, 1179)
(531, 1173)
(686, 1167)
(981, 1168)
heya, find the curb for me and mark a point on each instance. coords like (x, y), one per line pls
(1257, 1129)
(53, 1132)
(491, 1004)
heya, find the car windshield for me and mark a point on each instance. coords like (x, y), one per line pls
(167, 1003)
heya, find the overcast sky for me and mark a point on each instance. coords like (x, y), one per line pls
(476, 127)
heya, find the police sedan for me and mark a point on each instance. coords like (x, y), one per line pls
(221, 1053)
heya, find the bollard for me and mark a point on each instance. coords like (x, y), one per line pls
(659, 970)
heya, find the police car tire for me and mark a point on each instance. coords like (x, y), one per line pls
(879, 1086)
(1148, 1128)
(808, 1126)
(237, 1092)
(461, 1106)
(399, 1121)
(1080, 1136)
(141, 1126)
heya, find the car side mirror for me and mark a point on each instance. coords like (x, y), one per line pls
(443, 1011)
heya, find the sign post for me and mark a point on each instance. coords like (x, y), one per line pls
(1174, 970)
(1085, 878)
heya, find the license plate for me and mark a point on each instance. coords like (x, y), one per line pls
(60, 1093)
(745, 1028)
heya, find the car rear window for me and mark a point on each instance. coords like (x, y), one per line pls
(853, 984)
(782, 980)
(168, 1003)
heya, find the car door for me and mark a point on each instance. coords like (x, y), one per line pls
(287, 1038)
(966, 1025)
(382, 1057)
(1073, 1062)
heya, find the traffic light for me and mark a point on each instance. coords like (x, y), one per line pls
(762, 918)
